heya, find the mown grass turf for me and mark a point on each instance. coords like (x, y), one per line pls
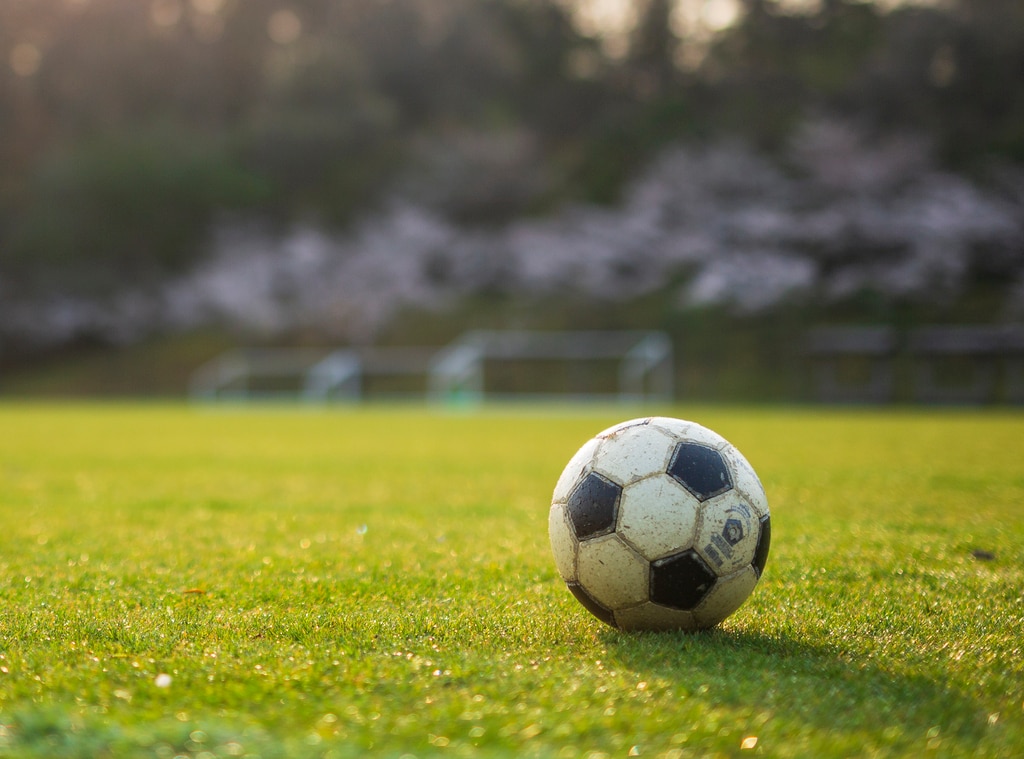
(278, 582)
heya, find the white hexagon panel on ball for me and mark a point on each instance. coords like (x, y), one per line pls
(574, 471)
(612, 572)
(634, 452)
(563, 542)
(728, 533)
(725, 597)
(658, 517)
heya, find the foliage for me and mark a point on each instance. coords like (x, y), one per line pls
(291, 583)
(164, 191)
(131, 131)
(956, 77)
(841, 220)
(950, 72)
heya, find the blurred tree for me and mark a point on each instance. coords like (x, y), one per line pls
(773, 68)
(652, 55)
(317, 108)
(957, 75)
(124, 209)
(321, 135)
(649, 103)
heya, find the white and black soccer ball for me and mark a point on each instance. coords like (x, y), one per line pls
(659, 524)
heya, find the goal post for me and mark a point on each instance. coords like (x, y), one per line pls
(251, 374)
(642, 361)
(311, 375)
(479, 365)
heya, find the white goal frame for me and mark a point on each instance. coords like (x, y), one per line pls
(318, 375)
(313, 376)
(456, 373)
(645, 362)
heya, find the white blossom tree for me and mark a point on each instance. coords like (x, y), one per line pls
(839, 213)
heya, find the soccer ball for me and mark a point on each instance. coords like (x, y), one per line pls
(659, 524)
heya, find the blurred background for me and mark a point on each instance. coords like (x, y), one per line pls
(809, 198)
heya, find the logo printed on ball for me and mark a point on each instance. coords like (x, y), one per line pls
(733, 531)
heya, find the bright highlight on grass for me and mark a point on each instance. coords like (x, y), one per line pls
(181, 582)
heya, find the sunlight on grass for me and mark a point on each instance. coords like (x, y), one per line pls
(279, 582)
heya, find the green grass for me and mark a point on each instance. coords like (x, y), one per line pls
(378, 581)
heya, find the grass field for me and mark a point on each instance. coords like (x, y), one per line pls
(287, 583)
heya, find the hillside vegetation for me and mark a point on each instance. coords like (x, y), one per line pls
(321, 169)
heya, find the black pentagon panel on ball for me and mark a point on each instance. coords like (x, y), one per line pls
(681, 581)
(593, 506)
(700, 469)
(599, 611)
(764, 540)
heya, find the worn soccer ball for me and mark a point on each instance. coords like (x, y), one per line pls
(659, 524)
